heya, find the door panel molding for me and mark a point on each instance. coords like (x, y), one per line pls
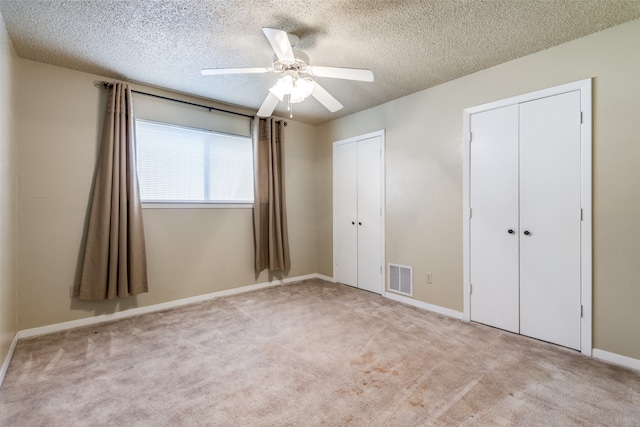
(586, 276)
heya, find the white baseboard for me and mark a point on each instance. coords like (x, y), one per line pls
(57, 327)
(425, 306)
(7, 359)
(617, 359)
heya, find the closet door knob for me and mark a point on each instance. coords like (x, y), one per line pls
(526, 233)
(510, 231)
(353, 223)
(359, 223)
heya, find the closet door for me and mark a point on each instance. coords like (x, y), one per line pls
(550, 219)
(346, 213)
(358, 213)
(369, 215)
(494, 219)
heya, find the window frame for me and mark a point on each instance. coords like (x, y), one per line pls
(196, 204)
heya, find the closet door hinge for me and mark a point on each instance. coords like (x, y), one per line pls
(581, 117)
(582, 311)
(581, 214)
(470, 137)
(470, 288)
(470, 213)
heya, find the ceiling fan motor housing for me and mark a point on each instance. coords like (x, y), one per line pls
(301, 62)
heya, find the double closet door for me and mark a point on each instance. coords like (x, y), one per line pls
(358, 213)
(525, 226)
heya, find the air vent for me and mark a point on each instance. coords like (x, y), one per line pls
(401, 279)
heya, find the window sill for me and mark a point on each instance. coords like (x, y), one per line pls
(191, 205)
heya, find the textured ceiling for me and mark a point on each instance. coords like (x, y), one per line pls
(409, 45)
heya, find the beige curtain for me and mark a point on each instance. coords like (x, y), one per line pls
(115, 260)
(269, 208)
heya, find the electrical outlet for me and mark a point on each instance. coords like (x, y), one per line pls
(428, 278)
(74, 291)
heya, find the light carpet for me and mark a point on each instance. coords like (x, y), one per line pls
(306, 354)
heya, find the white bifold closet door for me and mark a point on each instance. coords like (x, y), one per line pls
(550, 219)
(494, 261)
(525, 224)
(358, 213)
(346, 210)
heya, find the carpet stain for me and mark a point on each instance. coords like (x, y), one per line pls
(355, 391)
(364, 359)
(414, 403)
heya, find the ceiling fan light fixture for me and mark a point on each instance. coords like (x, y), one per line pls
(298, 89)
(284, 86)
(301, 90)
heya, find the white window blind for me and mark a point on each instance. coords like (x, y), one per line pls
(180, 164)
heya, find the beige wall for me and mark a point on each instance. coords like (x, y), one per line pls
(424, 174)
(190, 251)
(8, 195)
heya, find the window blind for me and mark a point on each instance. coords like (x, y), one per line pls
(181, 164)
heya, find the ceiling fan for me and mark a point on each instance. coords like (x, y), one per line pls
(296, 83)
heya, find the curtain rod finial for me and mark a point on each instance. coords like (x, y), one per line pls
(103, 85)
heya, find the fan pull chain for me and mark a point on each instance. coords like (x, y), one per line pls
(289, 106)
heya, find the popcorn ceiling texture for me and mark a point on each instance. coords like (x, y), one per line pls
(410, 45)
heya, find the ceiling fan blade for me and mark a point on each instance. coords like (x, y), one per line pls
(218, 71)
(342, 73)
(280, 43)
(268, 105)
(325, 98)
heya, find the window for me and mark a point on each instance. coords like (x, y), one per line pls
(181, 164)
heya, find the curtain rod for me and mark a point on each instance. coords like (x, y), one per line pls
(107, 85)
